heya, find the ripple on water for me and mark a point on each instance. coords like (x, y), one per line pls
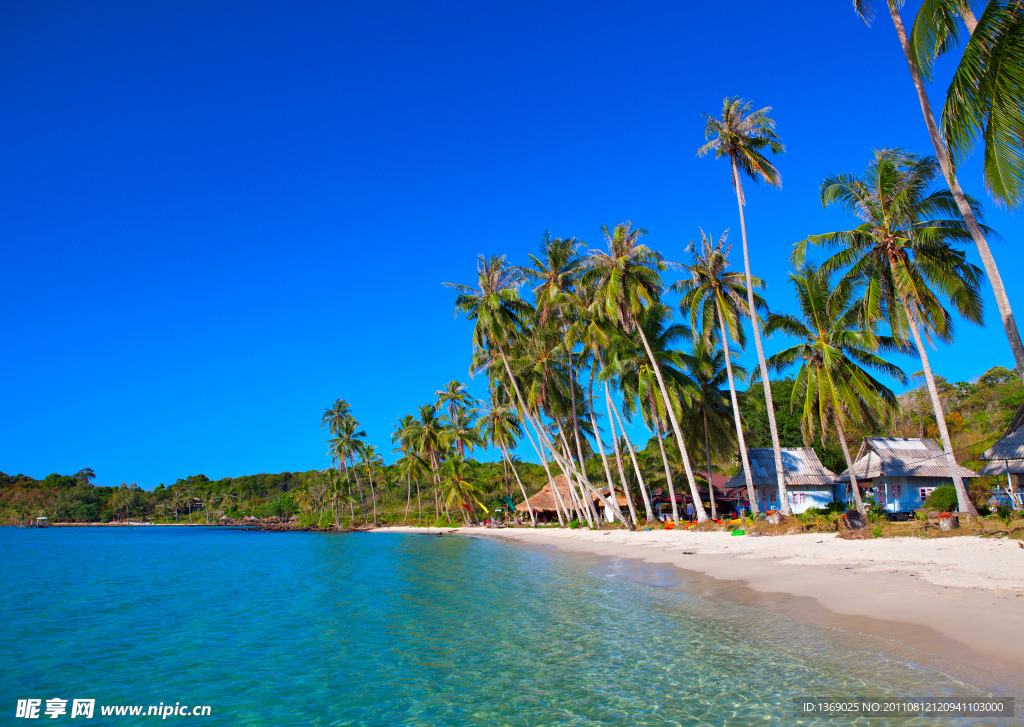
(386, 629)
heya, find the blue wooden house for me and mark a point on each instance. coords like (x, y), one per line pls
(808, 483)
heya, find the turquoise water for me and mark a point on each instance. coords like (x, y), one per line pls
(400, 629)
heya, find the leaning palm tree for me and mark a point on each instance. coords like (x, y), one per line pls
(627, 278)
(902, 252)
(834, 386)
(499, 316)
(716, 300)
(742, 135)
(984, 98)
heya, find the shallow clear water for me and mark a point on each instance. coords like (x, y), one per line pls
(389, 629)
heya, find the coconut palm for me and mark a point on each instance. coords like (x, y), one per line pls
(716, 300)
(344, 445)
(627, 278)
(639, 387)
(984, 98)
(460, 430)
(454, 396)
(371, 461)
(335, 415)
(461, 490)
(413, 467)
(556, 271)
(834, 385)
(403, 436)
(742, 135)
(429, 442)
(902, 252)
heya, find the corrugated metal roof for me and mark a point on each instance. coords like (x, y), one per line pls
(1002, 467)
(1011, 445)
(801, 465)
(901, 457)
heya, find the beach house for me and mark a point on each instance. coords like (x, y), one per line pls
(1005, 460)
(900, 473)
(808, 482)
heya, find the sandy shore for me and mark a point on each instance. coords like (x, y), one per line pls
(956, 599)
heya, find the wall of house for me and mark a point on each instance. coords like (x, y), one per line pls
(801, 497)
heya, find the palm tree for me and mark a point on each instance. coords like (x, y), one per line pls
(902, 253)
(334, 416)
(461, 490)
(500, 427)
(639, 387)
(833, 385)
(499, 316)
(455, 396)
(403, 436)
(371, 460)
(345, 445)
(715, 297)
(741, 135)
(710, 371)
(985, 98)
(460, 430)
(627, 279)
(428, 437)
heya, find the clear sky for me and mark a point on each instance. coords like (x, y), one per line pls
(217, 217)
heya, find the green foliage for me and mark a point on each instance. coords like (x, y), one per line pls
(877, 531)
(942, 499)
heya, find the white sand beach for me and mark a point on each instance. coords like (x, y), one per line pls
(958, 599)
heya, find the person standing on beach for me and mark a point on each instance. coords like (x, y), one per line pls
(690, 511)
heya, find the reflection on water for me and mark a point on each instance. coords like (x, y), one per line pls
(386, 629)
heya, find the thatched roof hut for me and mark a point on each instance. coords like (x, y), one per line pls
(544, 501)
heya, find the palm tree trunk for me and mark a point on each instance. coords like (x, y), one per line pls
(362, 497)
(707, 465)
(419, 504)
(741, 441)
(560, 507)
(702, 514)
(618, 454)
(636, 469)
(963, 501)
(542, 436)
(579, 446)
(849, 466)
(989, 262)
(668, 469)
(408, 497)
(526, 498)
(373, 493)
(755, 324)
(348, 482)
(600, 448)
(577, 495)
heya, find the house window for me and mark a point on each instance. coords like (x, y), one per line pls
(771, 495)
(896, 490)
(798, 498)
(925, 491)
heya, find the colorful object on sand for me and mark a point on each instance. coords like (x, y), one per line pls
(739, 532)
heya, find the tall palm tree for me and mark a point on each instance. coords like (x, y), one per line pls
(626, 279)
(335, 415)
(742, 135)
(716, 300)
(639, 386)
(371, 461)
(902, 251)
(455, 396)
(985, 98)
(428, 436)
(344, 446)
(498, 314)
(460, 430)
(834, 385)
(403, 434)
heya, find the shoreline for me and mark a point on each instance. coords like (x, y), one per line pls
(952, 602)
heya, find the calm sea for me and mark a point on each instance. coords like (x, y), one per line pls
(389, 629)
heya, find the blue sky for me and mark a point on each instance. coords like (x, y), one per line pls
(218, 217)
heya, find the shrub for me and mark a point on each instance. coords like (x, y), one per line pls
(1005, 513)
(574, 524)
(942, 499)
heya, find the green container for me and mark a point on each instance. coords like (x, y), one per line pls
(739, 532)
